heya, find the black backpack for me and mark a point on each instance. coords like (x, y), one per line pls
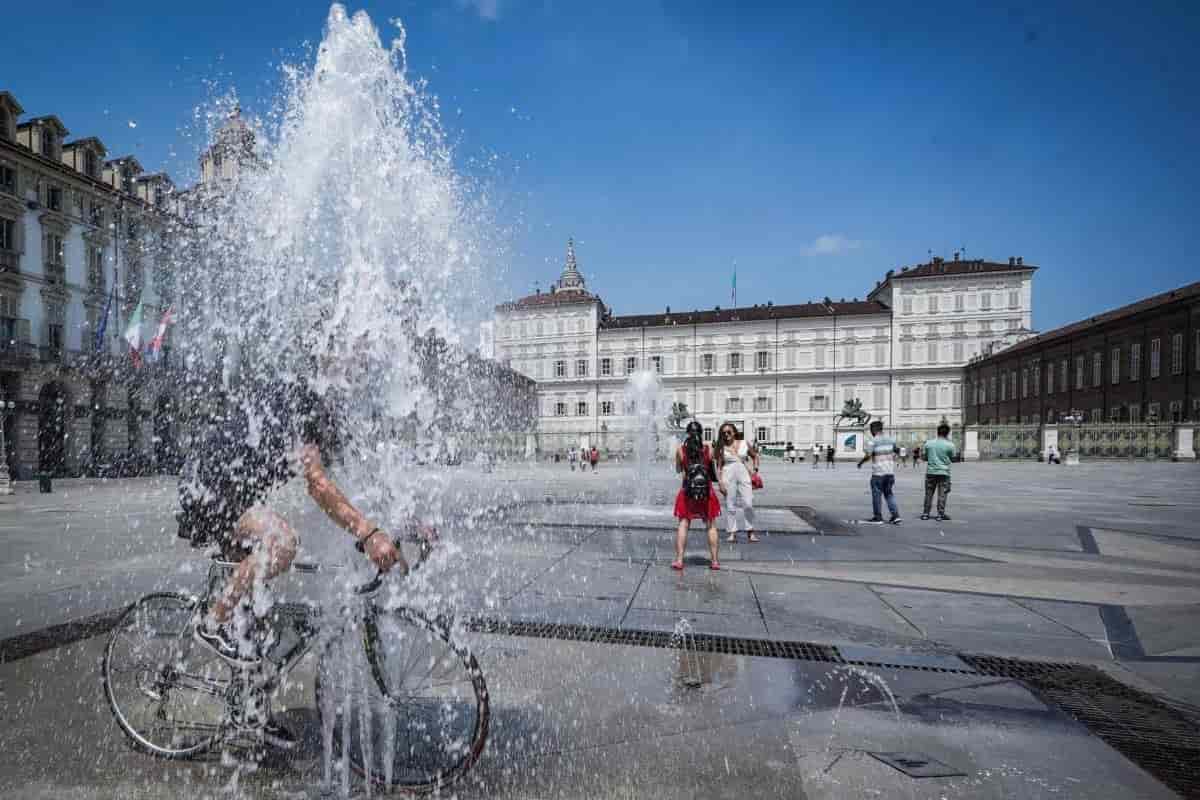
(696, 483)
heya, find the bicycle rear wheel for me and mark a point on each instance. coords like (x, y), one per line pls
(166, 693)
(421, 720)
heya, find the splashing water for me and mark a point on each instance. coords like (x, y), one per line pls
(643, 396)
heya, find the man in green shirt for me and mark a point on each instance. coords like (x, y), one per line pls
(939, 454)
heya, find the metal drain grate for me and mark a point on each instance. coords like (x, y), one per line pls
(702, 642)
(1145, 730)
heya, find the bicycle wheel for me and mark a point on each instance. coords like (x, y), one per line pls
(421, 720)
(166, 692)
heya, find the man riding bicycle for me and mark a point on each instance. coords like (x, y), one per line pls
(269, 437)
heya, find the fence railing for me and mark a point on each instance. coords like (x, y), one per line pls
(1117, 440)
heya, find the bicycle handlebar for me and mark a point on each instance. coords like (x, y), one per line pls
(423, 550)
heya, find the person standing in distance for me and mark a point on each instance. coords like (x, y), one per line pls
(817, 450)
(881, 452)
(939, 454)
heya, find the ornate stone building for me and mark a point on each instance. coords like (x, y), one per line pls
(781, 371)
(72, 222)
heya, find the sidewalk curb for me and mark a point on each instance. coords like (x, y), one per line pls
(28, 644)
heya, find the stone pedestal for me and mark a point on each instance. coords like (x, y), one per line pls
(850, 443)
(1183, 448)
(1049, 439)
(971, 444)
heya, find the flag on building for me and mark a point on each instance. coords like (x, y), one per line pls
(735, 285)
(154, 349)
(133, 335)
(103, 326)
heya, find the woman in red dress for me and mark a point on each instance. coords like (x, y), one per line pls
(694, 461)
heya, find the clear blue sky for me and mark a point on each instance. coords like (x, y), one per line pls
(815, 148)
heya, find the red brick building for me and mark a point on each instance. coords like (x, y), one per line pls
(1137, 363)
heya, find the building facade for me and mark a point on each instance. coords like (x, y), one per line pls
(781, 372)
(1135, 364)
(76, 228)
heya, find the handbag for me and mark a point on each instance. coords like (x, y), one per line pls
(756, 481)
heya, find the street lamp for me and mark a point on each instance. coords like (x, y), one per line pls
(6, 408)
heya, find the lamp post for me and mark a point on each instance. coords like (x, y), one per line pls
(6, 408)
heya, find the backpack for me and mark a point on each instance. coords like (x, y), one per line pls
(696, 483)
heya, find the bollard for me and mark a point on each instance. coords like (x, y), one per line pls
(45, 486)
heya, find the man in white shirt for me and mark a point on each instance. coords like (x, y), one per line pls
(881, 452)
(817, 451)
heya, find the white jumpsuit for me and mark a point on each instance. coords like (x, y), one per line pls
(740, 494)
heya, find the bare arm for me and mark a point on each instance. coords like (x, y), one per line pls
(338, 508)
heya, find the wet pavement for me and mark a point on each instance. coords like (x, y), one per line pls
(1065, 569)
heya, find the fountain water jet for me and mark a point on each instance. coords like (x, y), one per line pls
(645, 403)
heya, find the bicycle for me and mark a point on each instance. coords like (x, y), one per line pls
(176, 699)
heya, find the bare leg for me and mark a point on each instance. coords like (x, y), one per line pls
(714, 540)
(681, 538)
(274, 544)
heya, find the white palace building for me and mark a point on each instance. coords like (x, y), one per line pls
(780, 372)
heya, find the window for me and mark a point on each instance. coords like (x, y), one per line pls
(1003, 389)
(1050, 379)
(733, 404)
(931, 353)
(906, 354)
(1135, 361)
(735, 362)
(1114, 414)
(789, 400)
(606, 408)
(761, 435)
(95, 268)
(706, 362)
(958, 302)
(1135, 412)
(630, 365)
(47, 143)
(1176, 411)
(931, 395)
(1152, 413)
(1062, 375)
(877, 397)
(906, 396)
(561, 326)
(1097, 367)
(708, 400)
(8, 234)
(656, 364)
(933, 304)
(581, 408)
(907, 305)
(848, 356)
(560, 409)
(1014, 299)
(985, 301)
(762, 403)
(819, 357)
(708, 434)
(1176, 354)
(89, 162)
(8, 178)
(762, 360)
(1013, 324)
(958, 352)
(537, 327)
(956, 394)
(818, 402)
(1024, 382)
(1155, 353)
(992, 388)
(581, 365)
(1078, 372)
(560, 369)
(880, 355)
(606, 367)
(54, 198)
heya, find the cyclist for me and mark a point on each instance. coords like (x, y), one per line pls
(271, 436)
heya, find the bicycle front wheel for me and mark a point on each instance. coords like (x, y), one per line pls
(166, 692)
(423, 721)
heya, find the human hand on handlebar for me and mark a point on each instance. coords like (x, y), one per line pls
(383, 552)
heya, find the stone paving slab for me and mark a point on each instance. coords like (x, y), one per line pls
(657, 517)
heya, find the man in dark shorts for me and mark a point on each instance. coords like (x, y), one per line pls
(269, 436)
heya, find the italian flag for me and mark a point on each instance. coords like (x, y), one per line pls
(133, 335)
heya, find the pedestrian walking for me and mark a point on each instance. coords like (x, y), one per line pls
(904, 455)
(916, 454)
(737, 461)
(1052, 456)
(939, 455)
(696, 498)
(829, 457)
(817, 450)
(571, 456)
(594, 457)
(881, 452)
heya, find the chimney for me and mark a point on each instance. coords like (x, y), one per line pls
(668, 309)
(1011, 261)
(956, 255)
(1020, 261)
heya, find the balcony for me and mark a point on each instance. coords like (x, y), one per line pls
(10, 261)
(15, 346)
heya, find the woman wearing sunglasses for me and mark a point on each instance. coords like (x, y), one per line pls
(736, 462)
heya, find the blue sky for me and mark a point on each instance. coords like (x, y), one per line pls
(815, 148)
